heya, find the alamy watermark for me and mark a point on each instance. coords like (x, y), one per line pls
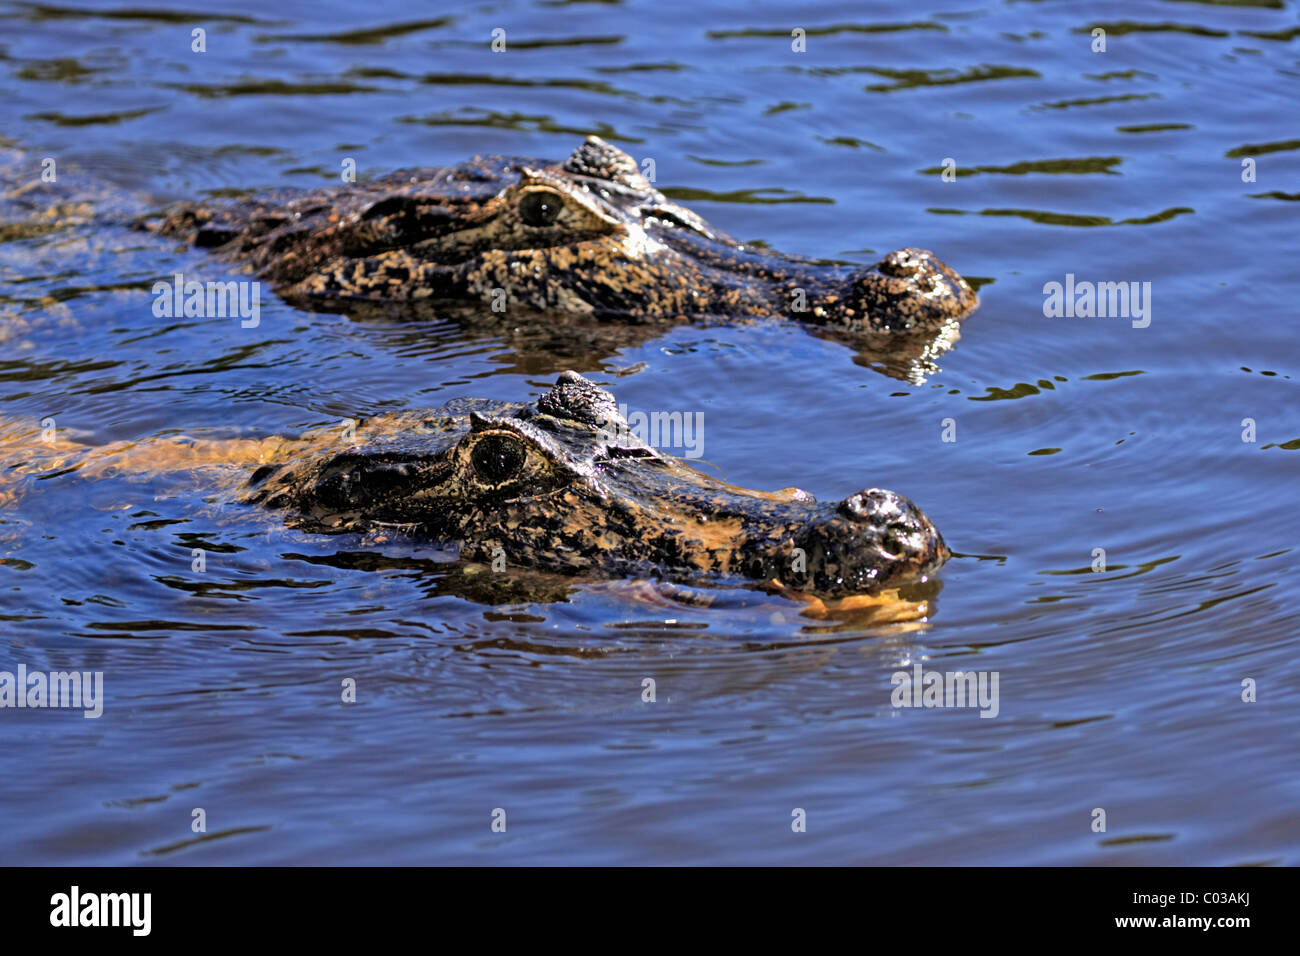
(664, 430)
(218, 300)
(75, 690)
(1102, 300)
(922, 688)
(75, 908)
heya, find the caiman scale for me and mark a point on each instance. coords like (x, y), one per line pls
(559, 485)
(589, 235)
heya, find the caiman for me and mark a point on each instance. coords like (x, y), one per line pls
(589, 235)
(559, 485)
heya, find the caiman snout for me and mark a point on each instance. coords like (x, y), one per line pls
(873, 539)
(902, 531)
(910, 289)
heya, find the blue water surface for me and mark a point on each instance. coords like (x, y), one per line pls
(1046, 448)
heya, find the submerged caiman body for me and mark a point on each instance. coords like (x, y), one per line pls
(588, 235)
(560, 485)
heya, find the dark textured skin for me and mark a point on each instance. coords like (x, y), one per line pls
(559, 486)
(615, 248)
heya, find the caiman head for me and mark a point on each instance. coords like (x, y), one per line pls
(588, 235)
(563, 485)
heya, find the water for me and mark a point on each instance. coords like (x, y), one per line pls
(1119, 689)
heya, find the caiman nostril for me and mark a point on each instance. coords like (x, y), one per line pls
(865, 505)
(901, 264)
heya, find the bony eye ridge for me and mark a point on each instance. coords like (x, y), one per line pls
(497, 458)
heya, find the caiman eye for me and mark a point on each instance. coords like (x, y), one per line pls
(540, 207)
(497, 458)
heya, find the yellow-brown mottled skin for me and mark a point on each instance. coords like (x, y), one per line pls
(560, 485)
(563, 486)
(589, 235)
